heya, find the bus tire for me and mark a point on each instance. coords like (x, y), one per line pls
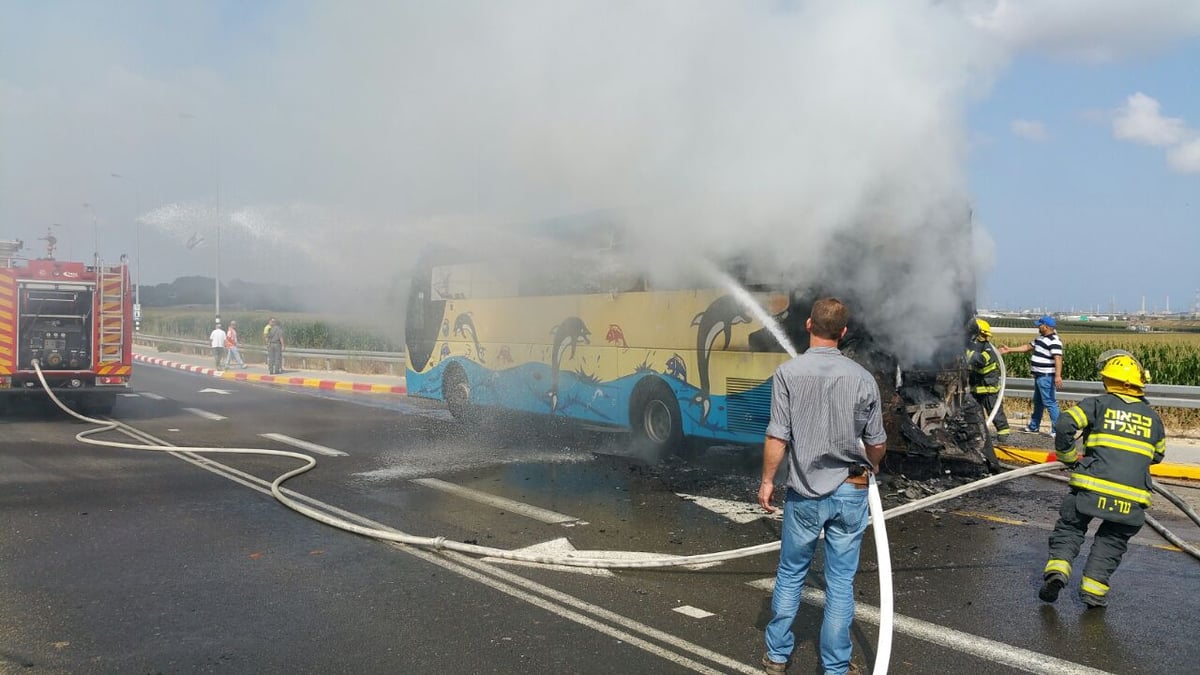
(456, 392)
(655, 420)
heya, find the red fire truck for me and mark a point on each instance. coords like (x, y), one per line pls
(74, 319)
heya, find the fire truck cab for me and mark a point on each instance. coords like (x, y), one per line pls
(74, 320)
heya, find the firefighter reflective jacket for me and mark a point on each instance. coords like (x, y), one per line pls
(1122, 437)
(985, 372)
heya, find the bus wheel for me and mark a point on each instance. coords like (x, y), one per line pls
(456, 391)
(655, 420)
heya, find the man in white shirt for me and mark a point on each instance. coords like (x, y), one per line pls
(217, 340)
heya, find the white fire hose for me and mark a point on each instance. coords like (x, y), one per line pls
(618, 559)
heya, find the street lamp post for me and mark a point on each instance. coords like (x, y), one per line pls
(95, 234)
(137, 254)
(217, 225)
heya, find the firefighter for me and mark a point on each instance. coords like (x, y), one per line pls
(1122, 436)
(985, 375)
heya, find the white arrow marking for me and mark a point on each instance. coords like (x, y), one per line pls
(215, 391)
(557, 547)
(738, 512)
(501, 503)
(304, 445)
(205, 414)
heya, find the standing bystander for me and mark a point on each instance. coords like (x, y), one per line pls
(1046, 366)
(231, 347)
(826, 420)
(217, 340)
(275, 345)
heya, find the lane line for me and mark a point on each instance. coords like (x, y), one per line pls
(304, 445)
(502, 503)
(206, 415)
(990, 650)
(483, 573)
(694, 612)
(152, 396)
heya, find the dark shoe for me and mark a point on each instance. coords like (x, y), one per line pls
(1051, 586)
(773, 667)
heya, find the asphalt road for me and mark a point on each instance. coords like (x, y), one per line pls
(122, 561)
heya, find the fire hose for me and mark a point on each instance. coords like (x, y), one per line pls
(617, 561)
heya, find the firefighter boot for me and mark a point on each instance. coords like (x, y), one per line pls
(1051, 585)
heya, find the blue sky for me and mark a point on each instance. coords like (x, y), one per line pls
(1081, 216)
(330, 137)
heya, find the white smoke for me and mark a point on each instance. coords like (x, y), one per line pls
(825, 140)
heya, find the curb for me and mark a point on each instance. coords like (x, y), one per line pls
(311, 382)
(1161, 470)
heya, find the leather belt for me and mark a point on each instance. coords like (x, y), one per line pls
(859, 482)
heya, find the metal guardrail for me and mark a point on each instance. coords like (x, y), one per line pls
(1162, 395)
(329, 354)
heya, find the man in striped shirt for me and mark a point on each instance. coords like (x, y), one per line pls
(1046, 364)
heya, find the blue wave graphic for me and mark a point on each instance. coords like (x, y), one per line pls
(527, 388)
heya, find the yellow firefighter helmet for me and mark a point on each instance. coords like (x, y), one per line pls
(1119, 366)
(984, 329)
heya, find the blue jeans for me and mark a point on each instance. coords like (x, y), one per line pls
(1043, 397)
(843, 516)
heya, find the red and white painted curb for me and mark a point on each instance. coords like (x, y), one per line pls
(315, 383)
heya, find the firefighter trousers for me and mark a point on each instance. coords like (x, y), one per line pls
(987, 401)
(1108, 545)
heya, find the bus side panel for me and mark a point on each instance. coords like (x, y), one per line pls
(583, 356)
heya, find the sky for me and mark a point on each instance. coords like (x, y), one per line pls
(332, 141)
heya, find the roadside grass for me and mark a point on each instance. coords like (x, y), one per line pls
(301, 330)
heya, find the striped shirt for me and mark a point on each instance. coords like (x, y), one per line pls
(1045, 348)
(823, 404)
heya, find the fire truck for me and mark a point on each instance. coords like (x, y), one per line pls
(75, 320)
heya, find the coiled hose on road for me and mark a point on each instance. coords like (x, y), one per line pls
(487, 551)
(878, 515)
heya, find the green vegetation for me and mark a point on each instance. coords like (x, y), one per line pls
(302, 331)
(1171, 358)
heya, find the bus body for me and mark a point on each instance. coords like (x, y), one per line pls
(669, 365)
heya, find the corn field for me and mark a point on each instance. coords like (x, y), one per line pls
(1171, 358)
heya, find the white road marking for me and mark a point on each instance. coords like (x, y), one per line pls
(551, 600)
(561, 546)
(152, 396)
(172, 429)
(304, 445)
(502, 503)
(205, 414)
(991, 650)
(210, 390)
(738, 511)
(694, 612)
(131, 395)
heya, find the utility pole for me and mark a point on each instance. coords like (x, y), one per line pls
(137, 254)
